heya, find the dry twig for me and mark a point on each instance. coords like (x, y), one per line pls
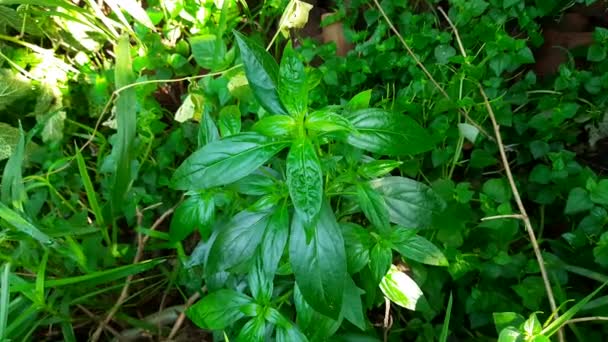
(141, 242)
(523, 215)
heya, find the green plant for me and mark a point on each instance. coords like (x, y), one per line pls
(321, 181)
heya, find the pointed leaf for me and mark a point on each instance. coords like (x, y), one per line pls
(225, 161)
(230, 120)
(319, 266)
(262, 74)
(237, 241)
(352, 308)
(420, 249)
(388, 133)
(275, 240)
(373, 205)
(293, 87)
(218, 310)
(304, 179)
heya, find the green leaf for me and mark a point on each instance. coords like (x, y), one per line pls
(275, 126)
(230, 120)
(325, 121)
(373, 206)
(578, 201)
(357, 245)
(275, 240)
(317, 326)
(400, 289)
(207, 131)
(293, 87)
(510, 334)
(352, 307)
(254, 330)
(498, 189)
(262, 74)
(380, 259)
(208, 51)
(411, 204)
(237, 241)
(596, 53)
(378, 168)
(421, 250)
(225, 161)
(260, 284)
(599, 194)
(532, 325)
(504, 320)
(22, 225)
(304, 179)
(443, 53)
(319, 265)
(388, 133)
(290, 334)
(218, 310)
(126, 118)
(360, 101)
(196, 212)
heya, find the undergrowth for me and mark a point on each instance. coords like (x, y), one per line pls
(222, 170)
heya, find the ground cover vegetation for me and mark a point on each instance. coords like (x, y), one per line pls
(303, 171)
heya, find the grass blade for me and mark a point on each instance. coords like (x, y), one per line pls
(12, 190)
(23, 226)
(126, 121)
(4, 298)
(446, 322)
(93, 278)
(557, 324)
(91, 195)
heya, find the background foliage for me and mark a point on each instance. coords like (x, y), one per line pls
(156, 153)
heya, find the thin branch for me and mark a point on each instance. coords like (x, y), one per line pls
(586, 319)
(141, 242)
(498, 217)
(520, 205)
(425, 70)
(505, 161)
(387, 318)
(182, 316)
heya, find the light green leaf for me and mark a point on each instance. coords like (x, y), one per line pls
(208, 51)
(578, 201)
(380, 259)
(305, 179)
(319, 265)
(400, 288)
(420, 249)
(20, 224)
(126, 118)
(230, 120)
(275, 126)
(225, 161)
(325, 121)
